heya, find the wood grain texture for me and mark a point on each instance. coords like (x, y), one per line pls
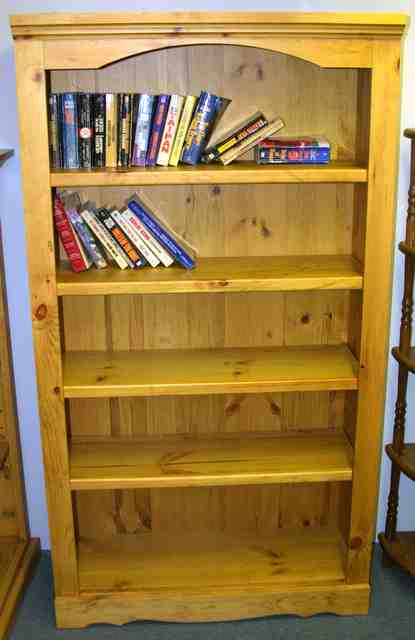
(4, 452)
(14, 578)
(183, 462)
(380, 224)
(31, 87)
(199, 371)
(287, 273)
(244, 172)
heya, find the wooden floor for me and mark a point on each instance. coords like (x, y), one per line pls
(152, 561)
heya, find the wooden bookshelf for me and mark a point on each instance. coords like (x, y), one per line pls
(18, 552)
(267, 273)
(235, 173)
(216, 457)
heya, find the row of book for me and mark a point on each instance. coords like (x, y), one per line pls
(94, 130)
(129, 237)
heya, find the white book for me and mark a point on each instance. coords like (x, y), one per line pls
(104, 237)
(134, 236)
(147, 237)
(170, 128)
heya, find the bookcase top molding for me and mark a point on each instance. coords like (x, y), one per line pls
(51, 25)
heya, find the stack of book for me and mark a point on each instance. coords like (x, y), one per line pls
(301, 150)
(129, 237)
(96, 130)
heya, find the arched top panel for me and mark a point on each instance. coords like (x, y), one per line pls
(330, 53)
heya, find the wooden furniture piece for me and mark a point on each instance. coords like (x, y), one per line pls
(17, 551)
(399, 547)
(212, 438)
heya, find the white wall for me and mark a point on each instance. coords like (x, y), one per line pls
(12, 219)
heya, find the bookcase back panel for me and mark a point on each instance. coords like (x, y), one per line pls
(278, 84)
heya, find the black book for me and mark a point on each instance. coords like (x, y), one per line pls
(85, 130)
(99, 109)
(135, 101)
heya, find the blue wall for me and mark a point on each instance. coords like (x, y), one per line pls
(13, 233)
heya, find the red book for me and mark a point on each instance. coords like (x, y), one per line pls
(67, 236)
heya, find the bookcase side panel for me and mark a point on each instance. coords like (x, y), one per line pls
(31, 88)
(381, 205)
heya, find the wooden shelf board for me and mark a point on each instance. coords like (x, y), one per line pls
(401, 550)
(243, 172)
(405, 460)
(4, 451)
(96, 374)
(405, 359)
(209, 461)
(148, 561)
(5, 154)
(281, 273)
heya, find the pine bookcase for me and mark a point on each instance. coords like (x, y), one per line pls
(18, 552)
(212, 438)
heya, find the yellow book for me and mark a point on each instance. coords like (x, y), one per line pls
(185, 119)
(111, 130)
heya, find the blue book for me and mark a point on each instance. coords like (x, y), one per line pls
(166, 239)
(208, 110)
(86, 238)
(157, 129)
(70, 131)
(142, 131)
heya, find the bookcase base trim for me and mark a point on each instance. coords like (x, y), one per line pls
(207, 605)
(23, 571)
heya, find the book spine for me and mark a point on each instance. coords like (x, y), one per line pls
(162, 235)
(111, 129)
(87, 238)
(252, 141)
(134, 237)
(184, 122)
(292, 155)
(243, 133)
(70, 131)
(170, 128)
(135, 101)
(54, 143)
(143, 128)
(67, 236)
(104, 237)
(124, 114)
(157, 129)
(85, 130)
(85, 256)
(99, 130)
(132, 257)
(154, 246)
(200, 127)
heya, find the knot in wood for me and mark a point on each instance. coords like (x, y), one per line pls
(41, 312)
(356, 543)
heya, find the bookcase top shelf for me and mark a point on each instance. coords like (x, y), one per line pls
(235, 173)
(248, 273)
(118, 24)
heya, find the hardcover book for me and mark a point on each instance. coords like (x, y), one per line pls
(286, 150)
(99, 111)
(159, 119)
(103, 235)
(86, 237)
(183, 126)
(70, 131)
(208, 110)
(85, 129)
(170, 128)
(142, 131)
